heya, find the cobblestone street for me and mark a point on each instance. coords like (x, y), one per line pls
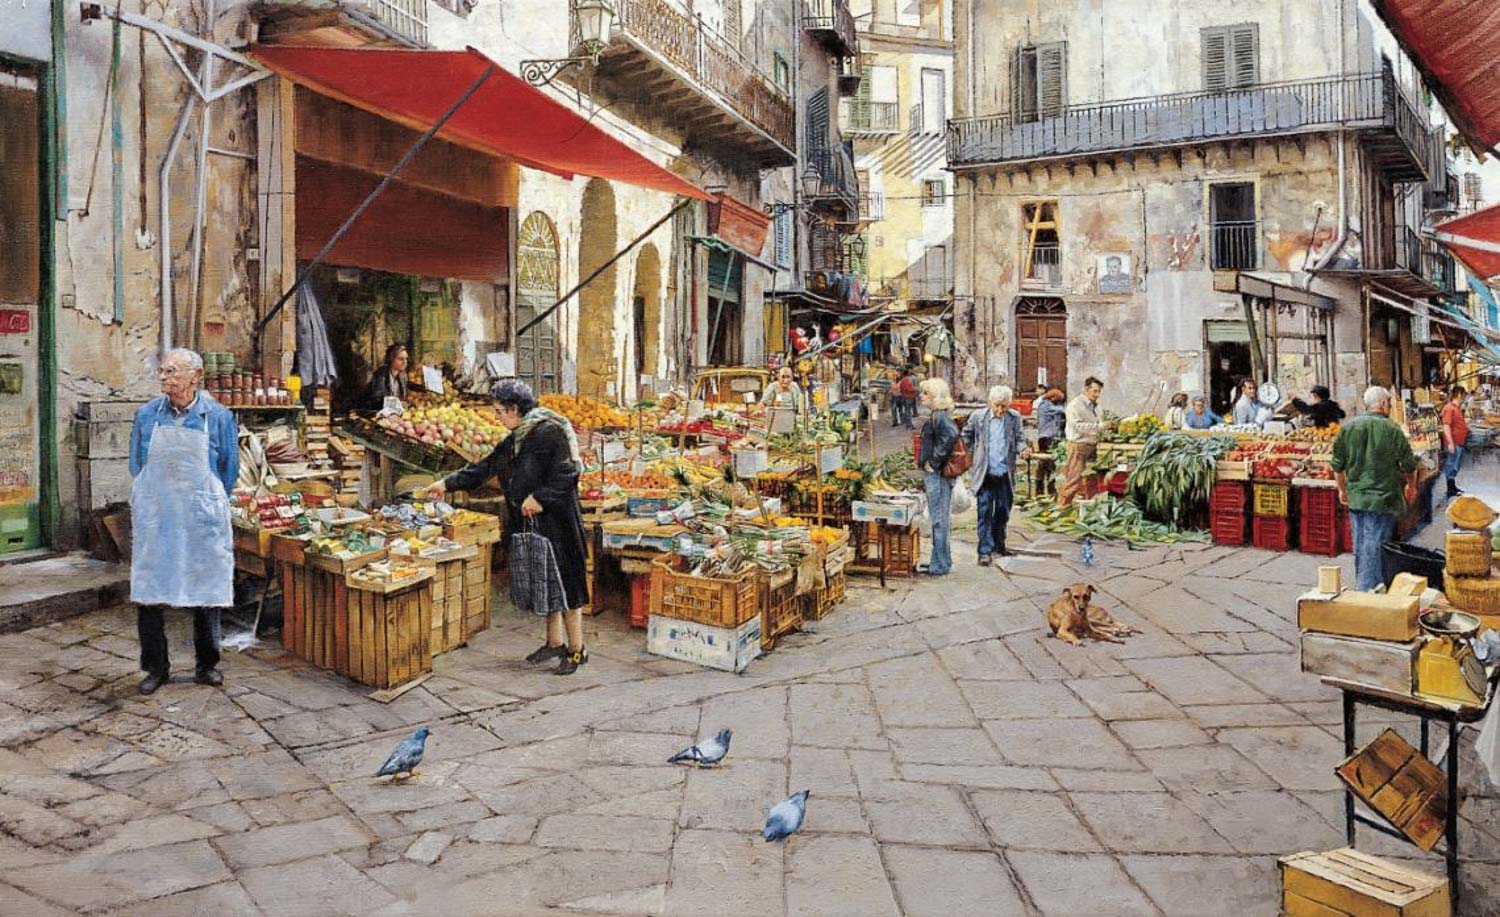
(960, 762)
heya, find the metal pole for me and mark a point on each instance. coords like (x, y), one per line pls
(164, 216)
(206, 77)
(359, 211)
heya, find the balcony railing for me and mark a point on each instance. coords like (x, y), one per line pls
(1426, 259)
(831, 23)
(871, 206)
(407, 18)
(1234, 245)
(838, 181)
(858, 115)
(1366, 102)
(347, 23)
(686, 43)
(929, 287)
(1045, 270)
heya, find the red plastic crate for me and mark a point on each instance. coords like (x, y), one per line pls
(1229, 496)
(1227, 527)
(640, 599)
(1315, 539)
(1321, 503)
(1273, 533)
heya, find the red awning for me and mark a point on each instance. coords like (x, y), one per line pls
(507, 117)
(1452, 42)
(1474, 239)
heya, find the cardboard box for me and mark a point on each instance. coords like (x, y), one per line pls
(1360, 614)
(1399, 782)
(729, 649)
(1347, 883)
(1379, 663)
(897, 511)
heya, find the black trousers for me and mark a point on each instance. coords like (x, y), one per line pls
(151, 627)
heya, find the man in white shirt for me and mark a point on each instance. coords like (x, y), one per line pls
(1247, 410)
(1082, 434)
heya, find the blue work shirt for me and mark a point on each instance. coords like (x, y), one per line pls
(998, 451)
(203, 414)
(1201, 421)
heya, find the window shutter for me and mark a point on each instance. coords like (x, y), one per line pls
(1023, 84)
(784, 239)
(817, 120)
(1051, 70)
(1245, 47)
(1215, 59)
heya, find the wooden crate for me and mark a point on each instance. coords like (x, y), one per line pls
(314, 602)
(817, 605)
(1348, 883)
(482, 531)
(390, 631)
(678, 594)
(252, 550)
(1400, 783)
(901, 548)
(477, 584)
(450, 598)
(780, 611)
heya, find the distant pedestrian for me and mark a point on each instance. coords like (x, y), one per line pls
(1376, 474)
(1051, 427)
(993, 435)
(905, 400)
(939, 436)
(1083, 426)
(1454, 431)
(184, 457)
(1199, 417)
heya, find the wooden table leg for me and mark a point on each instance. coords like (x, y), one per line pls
(1349, 717)
(1451, 828)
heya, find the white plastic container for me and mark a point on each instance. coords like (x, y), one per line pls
(729, 649)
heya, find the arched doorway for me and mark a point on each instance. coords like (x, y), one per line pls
(1041, 343)
(536, 291)
(597, 371)
(646, 303)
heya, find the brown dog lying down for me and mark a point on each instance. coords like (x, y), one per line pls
(1072, 617)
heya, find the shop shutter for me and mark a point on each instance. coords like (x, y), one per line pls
(724, 276)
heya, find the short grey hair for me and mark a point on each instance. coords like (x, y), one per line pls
(1375, 396)
(183, 355)
(1001, 393)
(513, 393)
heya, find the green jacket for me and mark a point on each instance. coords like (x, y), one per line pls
(1375, 457)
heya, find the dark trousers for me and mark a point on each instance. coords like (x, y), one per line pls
(151, 626)
(994, 498)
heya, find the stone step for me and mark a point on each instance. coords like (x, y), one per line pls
(58, 586)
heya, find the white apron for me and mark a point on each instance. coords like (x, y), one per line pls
(182, 550)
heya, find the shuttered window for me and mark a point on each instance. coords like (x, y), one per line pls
(817, 120)
(1039, 84)
(1231, 57)
(784, 239)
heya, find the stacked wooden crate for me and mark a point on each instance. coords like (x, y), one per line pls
(482, 536)
(450, 598)
(349, 458)
(319, 426)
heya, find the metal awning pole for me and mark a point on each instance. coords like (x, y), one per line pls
(364, 205)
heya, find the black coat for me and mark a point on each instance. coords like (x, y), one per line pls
(382, 386)
(544, 469)
(939, 436)
(1325, 413)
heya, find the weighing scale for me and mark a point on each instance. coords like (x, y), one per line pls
(1447, 669)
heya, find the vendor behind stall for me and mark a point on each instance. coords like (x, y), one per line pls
(1323, 410)
(389, 381)
(784, 392)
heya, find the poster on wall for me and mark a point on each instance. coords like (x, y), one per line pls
(1113, 271)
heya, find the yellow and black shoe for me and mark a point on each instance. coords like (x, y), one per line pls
(545, 652)
(571, 661)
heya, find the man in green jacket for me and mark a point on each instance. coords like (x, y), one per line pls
(1376, 472)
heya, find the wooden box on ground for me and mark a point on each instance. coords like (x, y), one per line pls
(900, 547)
(390, 631)
(449, 597)
(818, 604)
(478, 584)
(727, 602)
(1380, 663)
(315, 601)
(780, 612)
(1347, 883)
(1400, 783)
(1360, 614)
(729, 649)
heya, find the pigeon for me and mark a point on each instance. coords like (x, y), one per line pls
(406, 757)
(709, 751)
(786, 817)
(1086, 552)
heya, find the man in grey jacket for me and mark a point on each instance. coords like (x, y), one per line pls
(993, 436)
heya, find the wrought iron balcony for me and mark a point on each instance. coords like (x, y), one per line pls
(1234, 245)
(676, 67)
(1044, 272)
(1425, 259)
(342, 23)
(838, 183)
(861, 116)
(1394, 131)
(830, 22)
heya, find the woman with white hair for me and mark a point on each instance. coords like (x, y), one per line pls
(939, 436)
(993, 435)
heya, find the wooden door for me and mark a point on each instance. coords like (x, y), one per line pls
(1041, 344)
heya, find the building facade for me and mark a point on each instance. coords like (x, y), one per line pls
(1178, 196)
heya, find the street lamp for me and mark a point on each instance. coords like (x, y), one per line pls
(857, 246)
(595, 19)
(811, 181)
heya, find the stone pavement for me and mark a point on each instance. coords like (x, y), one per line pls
(960, 763)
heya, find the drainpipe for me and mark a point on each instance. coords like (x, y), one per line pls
(1343, 198)
(164, 230)
(205, 77)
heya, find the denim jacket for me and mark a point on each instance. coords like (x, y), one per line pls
(203, 414)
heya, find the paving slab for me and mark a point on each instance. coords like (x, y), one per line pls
(1148, 822)
(833, 875)
(1022, 700)
(946, 883)
(1199, 886)
(1060, 743)
(285, 843)
(926, 814)
(1032, 821)
(1068, 884)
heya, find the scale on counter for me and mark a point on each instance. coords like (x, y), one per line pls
(1447, 669)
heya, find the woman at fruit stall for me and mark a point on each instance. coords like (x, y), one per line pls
(1177, 411)
(1199, 416)
(538, 466)
(389, 381)
(939, 436)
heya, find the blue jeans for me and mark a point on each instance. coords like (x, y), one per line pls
(994, 498)
(1371, 531)
(939, 491)
(1451, 462)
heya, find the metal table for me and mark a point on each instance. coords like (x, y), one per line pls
(1426, 711)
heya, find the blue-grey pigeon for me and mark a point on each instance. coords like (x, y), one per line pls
(709, 751)
(406, 757)
(786, 817)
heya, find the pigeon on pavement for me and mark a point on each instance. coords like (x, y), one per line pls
(1086, 551)
(406, 757)
(709, 751)
(786, 817)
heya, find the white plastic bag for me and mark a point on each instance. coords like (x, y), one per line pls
(962, 499)
(1487, 746)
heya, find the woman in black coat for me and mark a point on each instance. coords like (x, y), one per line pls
(537, 466)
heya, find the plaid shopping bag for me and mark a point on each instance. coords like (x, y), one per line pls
(535, 579)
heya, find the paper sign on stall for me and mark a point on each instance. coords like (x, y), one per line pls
(432, 379)
(501, 365)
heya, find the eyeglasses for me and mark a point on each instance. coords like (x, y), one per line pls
(173, 371)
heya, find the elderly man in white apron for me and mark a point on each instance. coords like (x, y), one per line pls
(184, 456)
